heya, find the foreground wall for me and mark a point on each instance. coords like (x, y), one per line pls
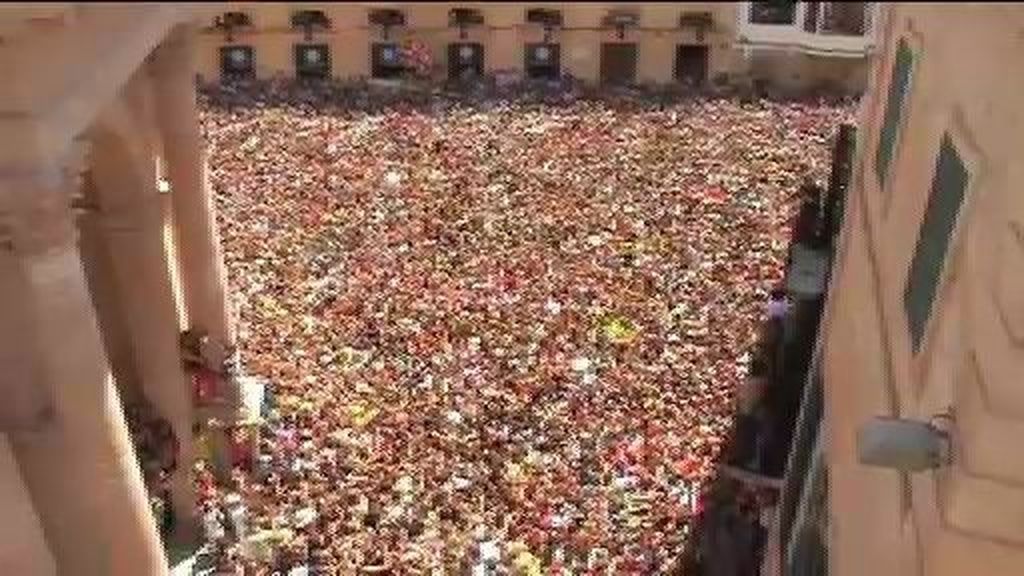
(928, 317)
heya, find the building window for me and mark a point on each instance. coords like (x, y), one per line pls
(899, 85)
(312, 61)
(465, 61)
(237, 62)
(811, 11)
(618, 64)
(773, 12)
(844, 18)
(692, 64)
(949, 185)
(387, 60)
(543, 61)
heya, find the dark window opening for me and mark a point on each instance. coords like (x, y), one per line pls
(237, 62)
(899, 85)
(387, 60)
(618, 64)
(312, 61)
(692, 64)
(949, 184)
(773, 12)
(543, 61)
(465, 61)
(811, 17)
(844, 18)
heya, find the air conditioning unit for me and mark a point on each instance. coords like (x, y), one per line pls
(237, 62)
(312, 61)
(543, 61)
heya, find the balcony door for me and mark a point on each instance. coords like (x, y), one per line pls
(618, 64)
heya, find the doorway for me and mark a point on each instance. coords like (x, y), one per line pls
(465, 61)
(692, 64)
(618, 64)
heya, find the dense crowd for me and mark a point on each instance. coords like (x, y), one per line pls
(500, 338)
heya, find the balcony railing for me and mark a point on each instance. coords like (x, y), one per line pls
(827, 28)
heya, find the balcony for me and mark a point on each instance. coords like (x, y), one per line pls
(838, 29)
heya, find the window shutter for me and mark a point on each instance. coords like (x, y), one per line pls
(947, 195)
(895, 101)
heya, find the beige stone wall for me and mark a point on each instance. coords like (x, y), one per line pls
(504, 35)
(967, 518)
(23, 549)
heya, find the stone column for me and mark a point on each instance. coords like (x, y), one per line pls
(197, 241)
(131, 217)
(75, 456)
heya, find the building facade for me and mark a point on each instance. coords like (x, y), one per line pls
(794, 47)
(925, 315)
(108, 251)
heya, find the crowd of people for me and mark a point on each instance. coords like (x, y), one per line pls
(499, 338)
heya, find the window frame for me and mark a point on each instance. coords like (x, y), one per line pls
(794, 22)
(224, 53)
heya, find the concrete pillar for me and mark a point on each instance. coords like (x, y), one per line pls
(98, 265)
(77, 462)
(131, 217)
(200, 261)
